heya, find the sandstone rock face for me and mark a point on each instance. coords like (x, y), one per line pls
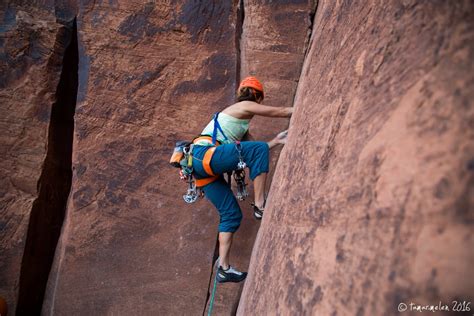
(33, 38)
(149, 74)
(159, 78)
(273, 45)
(274, 40)
(371, 203)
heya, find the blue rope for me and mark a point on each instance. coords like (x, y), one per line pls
(211, 304)
(217, 127)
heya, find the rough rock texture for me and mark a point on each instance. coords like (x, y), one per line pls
(149, 74)
(33, 38)
(274, 40)
(138, 91)
(371, 204)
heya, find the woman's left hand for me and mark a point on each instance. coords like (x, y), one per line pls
(281, 137)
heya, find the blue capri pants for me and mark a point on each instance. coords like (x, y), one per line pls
(225, 159)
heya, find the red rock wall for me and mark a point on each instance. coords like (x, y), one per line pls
(158, 78)
(274, 41)
(149, 74)
(371, 203)
(33, 38)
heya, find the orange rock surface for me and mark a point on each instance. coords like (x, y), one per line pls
(371, 203)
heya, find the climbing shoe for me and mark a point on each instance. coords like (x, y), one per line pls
(257, 213)
(230, 275)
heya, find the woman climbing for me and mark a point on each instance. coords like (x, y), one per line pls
(215, 153)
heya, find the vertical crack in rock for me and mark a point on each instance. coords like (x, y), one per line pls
(308, 41)
(312, 17)
(238, 41)
(238, 37)
(236, 303)
(54, 185)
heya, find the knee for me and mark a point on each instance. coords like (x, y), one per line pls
(259, 161)
(256, 151)
(230, 222)
(263, 151)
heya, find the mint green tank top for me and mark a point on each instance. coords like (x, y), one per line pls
(233, 128)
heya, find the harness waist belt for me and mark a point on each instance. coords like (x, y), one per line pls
(205, 181)
(205, 139)
(206, 161)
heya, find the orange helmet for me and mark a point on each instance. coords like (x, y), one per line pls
(252, 82)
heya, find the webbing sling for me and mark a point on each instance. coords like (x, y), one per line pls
(217, 126)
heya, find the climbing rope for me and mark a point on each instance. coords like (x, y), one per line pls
(211, 303)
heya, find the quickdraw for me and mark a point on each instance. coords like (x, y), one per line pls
(186, 174)
(239, 175)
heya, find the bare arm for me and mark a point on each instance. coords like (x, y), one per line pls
(247, 109)
(272, 143)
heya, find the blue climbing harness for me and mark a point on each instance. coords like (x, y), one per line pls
(217, 127)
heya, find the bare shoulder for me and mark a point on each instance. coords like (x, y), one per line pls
(240, 109)
(247, 109)
(242, 104)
